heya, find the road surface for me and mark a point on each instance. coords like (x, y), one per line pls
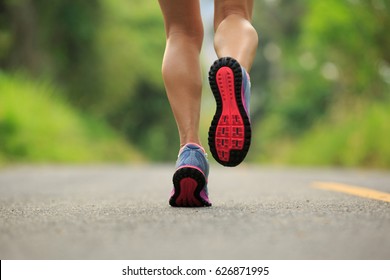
(122, 212)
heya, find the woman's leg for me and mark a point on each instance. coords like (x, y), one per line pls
(183, 83)
(235, 42)
(181, 66)
(234, 34)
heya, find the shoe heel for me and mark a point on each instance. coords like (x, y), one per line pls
(188, 183)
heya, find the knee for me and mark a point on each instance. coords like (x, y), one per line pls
(238, 24)
(238, 10)
(191, 34)
(227, 8)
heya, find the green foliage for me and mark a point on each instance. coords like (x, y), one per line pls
(345, 33)
(321, 96)
(359, 139)
(320, 65)
(37, 125)
(143, 120)
(131, 44)
(105, 55)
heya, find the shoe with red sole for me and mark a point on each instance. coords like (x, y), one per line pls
(230, 130)
(190, 178)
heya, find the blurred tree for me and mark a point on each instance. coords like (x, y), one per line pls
(105, 54)
(131, 44)
(351, 35)
(314, 52)
(19, 43)
(69, 30)
(275, 69)
(55, 39)
(318, 60)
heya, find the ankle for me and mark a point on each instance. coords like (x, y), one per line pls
(197, 144)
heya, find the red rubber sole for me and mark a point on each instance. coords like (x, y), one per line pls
(230, 131)
(230, 128)
(188, 183)
(187, 190)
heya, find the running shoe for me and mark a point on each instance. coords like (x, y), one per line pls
(230, 130)
(190, 178)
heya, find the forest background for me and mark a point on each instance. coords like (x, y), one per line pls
(80, 82)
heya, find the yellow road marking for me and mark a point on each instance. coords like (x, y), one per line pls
(353, 190)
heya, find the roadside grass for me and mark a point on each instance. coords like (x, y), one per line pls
(360, 138)
(37, 125)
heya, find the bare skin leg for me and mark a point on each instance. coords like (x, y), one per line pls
(183, 82)
(234, 34)
(234, 37)
(181, 66)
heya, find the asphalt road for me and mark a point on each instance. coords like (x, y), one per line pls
(122, 212)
